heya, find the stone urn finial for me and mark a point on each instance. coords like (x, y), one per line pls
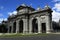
(23, 4)
(47, 7)
(39, 9)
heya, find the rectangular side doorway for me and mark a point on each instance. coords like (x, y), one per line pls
(43, 27)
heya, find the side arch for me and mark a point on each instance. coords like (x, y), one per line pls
(14, 27)
(21, 26)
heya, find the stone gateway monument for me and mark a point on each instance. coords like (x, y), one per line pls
(29, 20)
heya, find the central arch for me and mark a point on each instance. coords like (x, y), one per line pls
(34, 26)
(21, 26)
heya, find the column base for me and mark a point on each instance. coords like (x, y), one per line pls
(25, 32)
(17, 31)
(48, 31)
(30, 32)
(39, 32)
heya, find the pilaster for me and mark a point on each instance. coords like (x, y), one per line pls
(8, 27)
(12, 27)
(25, 26)
(17, 26)
(39, 25)
(30, 25)
(48, 30)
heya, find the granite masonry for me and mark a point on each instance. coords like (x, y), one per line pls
(29, 20)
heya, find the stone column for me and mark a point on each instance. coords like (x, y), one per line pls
(25, 26)
(48, 24)
(39, 25)
(30, 25)
(8, 28)
(17, 26)
(12, 27)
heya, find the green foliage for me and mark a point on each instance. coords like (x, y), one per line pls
(3, 28)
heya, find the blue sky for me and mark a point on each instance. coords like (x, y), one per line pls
(8, 7)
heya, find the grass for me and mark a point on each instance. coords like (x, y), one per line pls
(22, 35)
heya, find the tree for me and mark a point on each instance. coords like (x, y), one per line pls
(55, 26)
(3, 28)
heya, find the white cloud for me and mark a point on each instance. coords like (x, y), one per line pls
(55, 16)
(56, 0)
(56, 12)
(5, 19)
(14, 12)
(57, 7)
(1, 19)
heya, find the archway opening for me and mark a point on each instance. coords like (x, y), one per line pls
(10, 29)
(21, 26)
(43, 27)
(34, 26)
(14, 27)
